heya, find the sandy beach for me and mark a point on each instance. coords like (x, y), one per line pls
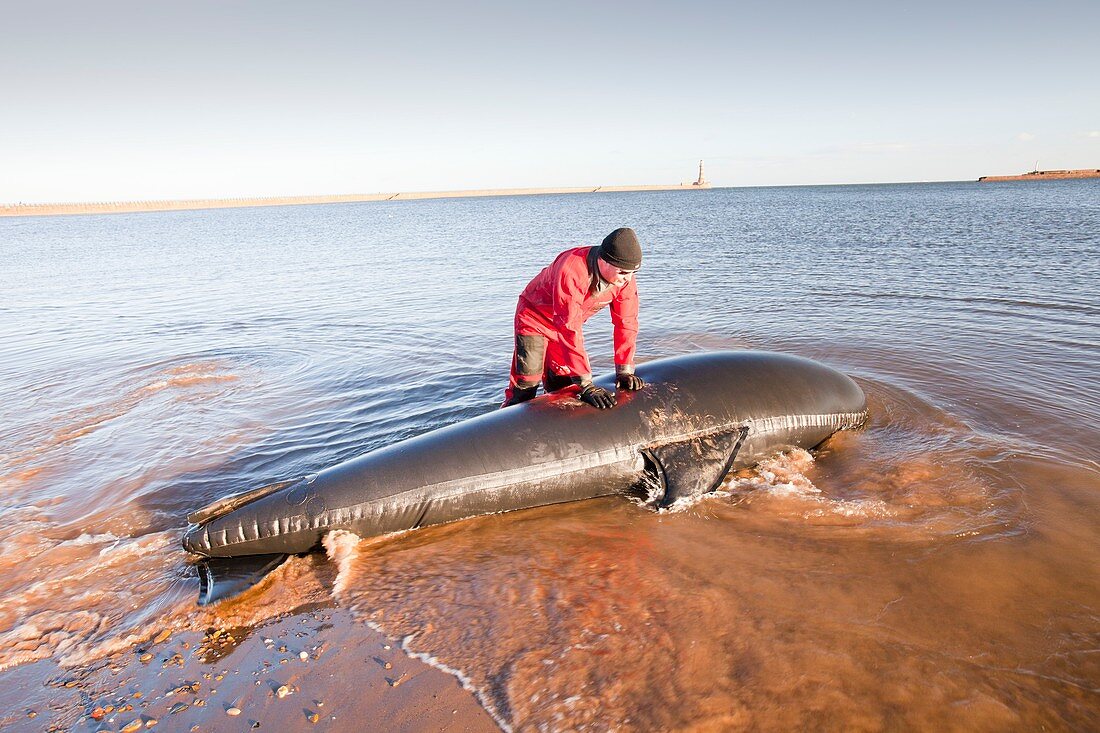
(124, 207)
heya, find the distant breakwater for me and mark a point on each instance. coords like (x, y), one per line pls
(1045, 175)
(122, 207)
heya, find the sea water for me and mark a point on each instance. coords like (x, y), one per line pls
(936, 569)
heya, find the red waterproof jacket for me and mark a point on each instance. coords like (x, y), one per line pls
(557, 302)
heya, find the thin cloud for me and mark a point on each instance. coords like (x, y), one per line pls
(1093, 133)
(881, 147)
(1025, 137)
(863, 148)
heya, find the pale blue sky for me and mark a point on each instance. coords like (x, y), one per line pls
(140, 100)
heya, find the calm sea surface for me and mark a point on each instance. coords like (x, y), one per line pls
(939, 569)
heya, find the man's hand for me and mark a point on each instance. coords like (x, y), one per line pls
(629, 382)
(598, 397)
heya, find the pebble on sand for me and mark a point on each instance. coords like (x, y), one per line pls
(234, 712)
(162, 636)
(131, 727)
(185, 688)
(283, 691)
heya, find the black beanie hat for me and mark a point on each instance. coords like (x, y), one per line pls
(621, 249)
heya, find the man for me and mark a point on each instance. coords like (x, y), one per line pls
(553, 308)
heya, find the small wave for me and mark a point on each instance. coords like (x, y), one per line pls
(191, 375)
(342, 547)
(784, 477)
(914, 473)
(1066, 304)
(127, 592)
(20, 466)
(463, 679)
(101, 578)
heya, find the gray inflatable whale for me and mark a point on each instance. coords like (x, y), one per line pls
(697, 418)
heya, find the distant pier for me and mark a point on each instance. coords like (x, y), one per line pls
(1045, 175)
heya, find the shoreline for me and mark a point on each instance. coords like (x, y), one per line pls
(332, 670)
(130, 207)
(127, 207)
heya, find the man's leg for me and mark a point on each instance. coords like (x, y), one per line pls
(551, 380)
(527, 361)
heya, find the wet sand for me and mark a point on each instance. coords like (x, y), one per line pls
(313, 669)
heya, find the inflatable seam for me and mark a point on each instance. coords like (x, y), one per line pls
(841, 420)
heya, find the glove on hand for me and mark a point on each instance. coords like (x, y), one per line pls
(598, 397)
(629, 382)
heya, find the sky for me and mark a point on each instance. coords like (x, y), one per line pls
(111, 101)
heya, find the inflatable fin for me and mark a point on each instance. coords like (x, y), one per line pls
(694, 466)
(228, 503)
(225, 577)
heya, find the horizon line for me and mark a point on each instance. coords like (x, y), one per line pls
(191, 204)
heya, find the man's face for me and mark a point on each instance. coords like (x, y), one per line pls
(613, 274)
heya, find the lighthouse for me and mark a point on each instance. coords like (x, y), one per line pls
(702, 180)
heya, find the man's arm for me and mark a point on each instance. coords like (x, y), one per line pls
(569, 291)
(624, 317)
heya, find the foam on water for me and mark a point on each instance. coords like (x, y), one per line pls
(784, 478)
(121, 582)
(99, 617)
(341, 547)
(408, 646)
